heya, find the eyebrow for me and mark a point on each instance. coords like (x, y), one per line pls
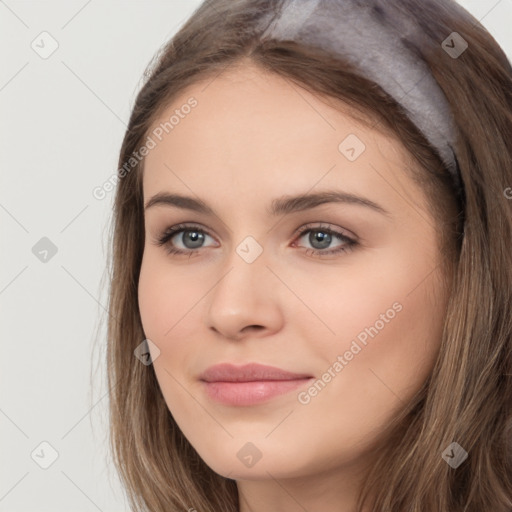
(280, 206)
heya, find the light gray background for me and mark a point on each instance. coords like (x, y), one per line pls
(62, 123)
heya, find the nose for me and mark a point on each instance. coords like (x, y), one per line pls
(245, 300)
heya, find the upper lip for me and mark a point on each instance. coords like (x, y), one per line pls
(227, 372)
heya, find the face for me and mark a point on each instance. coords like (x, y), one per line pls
(304, 246)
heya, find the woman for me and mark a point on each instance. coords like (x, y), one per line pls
(311, 268)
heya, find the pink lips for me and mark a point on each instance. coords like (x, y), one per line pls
(248, 384)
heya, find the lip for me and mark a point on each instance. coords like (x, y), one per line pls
(250, 383)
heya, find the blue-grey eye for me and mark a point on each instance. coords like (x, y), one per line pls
(323, 238)
(195, 238)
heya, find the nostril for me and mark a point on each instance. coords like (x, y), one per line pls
(251, 327)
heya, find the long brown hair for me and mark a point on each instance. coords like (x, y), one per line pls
(468, 395)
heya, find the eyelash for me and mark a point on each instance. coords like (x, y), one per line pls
(166, 236)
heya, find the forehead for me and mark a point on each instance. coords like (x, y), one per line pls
(253, 133)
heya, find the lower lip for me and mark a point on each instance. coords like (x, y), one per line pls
(250, 393)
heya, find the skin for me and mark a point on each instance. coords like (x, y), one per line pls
(254, 137)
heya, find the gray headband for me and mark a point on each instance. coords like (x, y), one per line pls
(370, 35)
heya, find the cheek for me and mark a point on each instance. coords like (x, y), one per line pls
(391, 303)
(165, 295)
(166, 298)
(387, 335)
(385, 318)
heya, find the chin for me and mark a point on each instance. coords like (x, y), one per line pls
(257, 460)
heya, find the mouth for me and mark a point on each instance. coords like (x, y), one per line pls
(249, 384)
